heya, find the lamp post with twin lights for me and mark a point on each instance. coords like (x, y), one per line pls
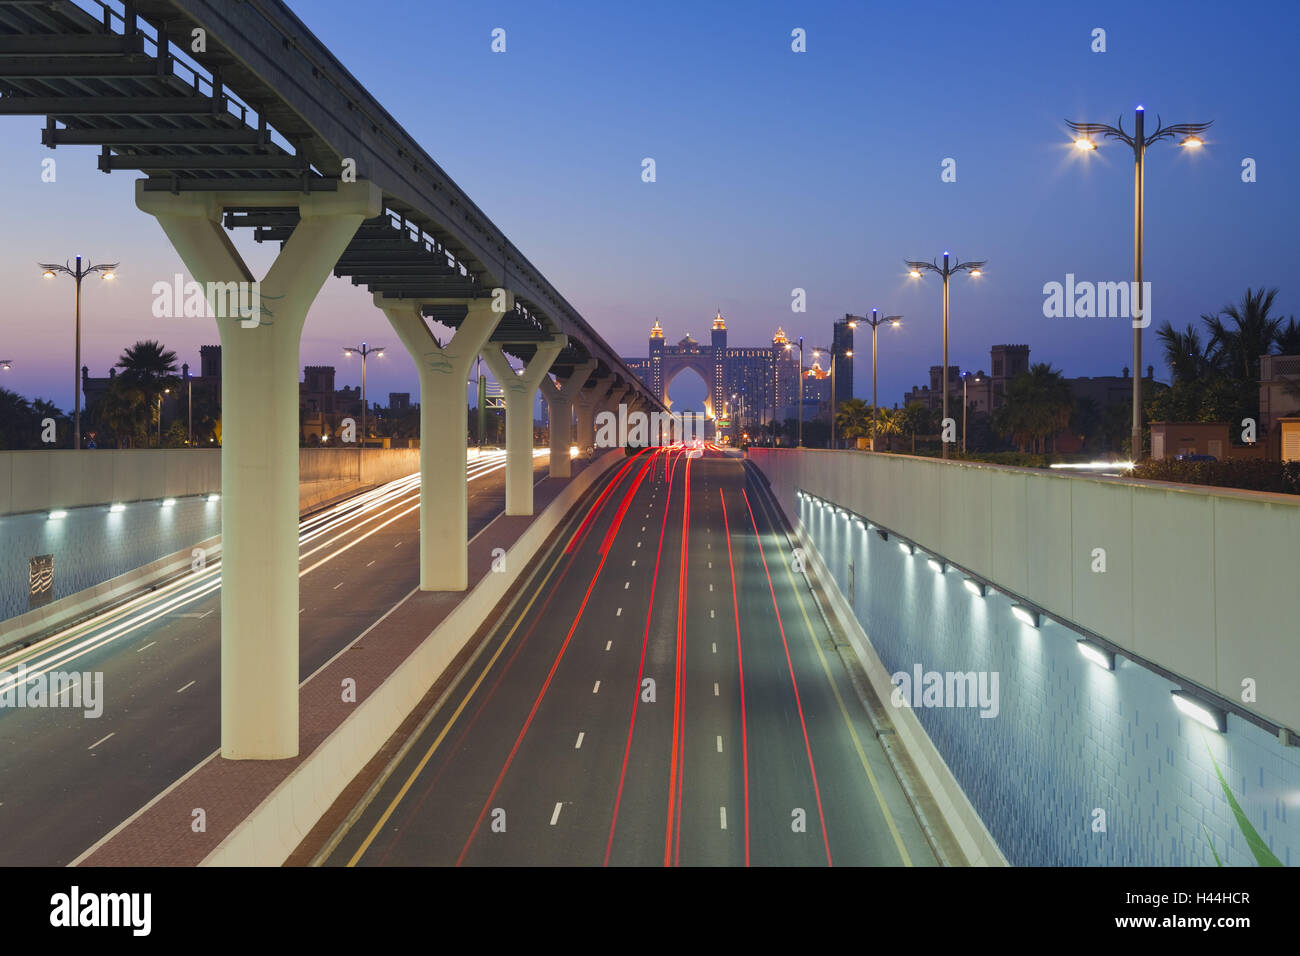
(946, 271)
(1138, 142)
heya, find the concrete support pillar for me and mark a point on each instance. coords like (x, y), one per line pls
(521, 395)
(584, 405)
(559, 409)
(444, 372)
(259, 450)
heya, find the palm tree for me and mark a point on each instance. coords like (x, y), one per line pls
(1288, 338)
(889, 422)
(15, 418)
(1250, 334)
(150, 367)
(916, 418)
(124, 411)
(1188, 360)
(853, 418)
(1038, 405)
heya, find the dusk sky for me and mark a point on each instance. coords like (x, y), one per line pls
(775, 170)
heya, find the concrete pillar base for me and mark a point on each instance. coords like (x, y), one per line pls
(559, 407)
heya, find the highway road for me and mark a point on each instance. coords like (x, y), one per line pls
(663, 691)
(66, 779)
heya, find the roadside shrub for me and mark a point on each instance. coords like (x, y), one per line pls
(1250, 474)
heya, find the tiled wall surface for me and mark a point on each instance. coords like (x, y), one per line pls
(93, 544)
(1069, 738)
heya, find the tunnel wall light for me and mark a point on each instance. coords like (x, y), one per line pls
(1026, 615)
(57, 515)
(168, 502)
(938, 567)
(214, 497)
(117, 509)
(1200, 712)
(977, 588)
(1097, 654)
(906, 548)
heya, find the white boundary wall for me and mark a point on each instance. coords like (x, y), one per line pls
(1200, 581)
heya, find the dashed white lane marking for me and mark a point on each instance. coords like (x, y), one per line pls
(719, 743)
(643, 527)
(369, 563)
(578, 745)
(710, 587)
(301, 610)
(710, 612)
(708, 547)
(187, 687)
(710, 564)
(340, 584)
(398, 545)
(638, 544)
(715, 648)
(715, 689)
(100, 741)
(626, 585)
(634, 562)
(608, 645)
(146, 647)
(723, 813)
(596, 689)
(556, 815)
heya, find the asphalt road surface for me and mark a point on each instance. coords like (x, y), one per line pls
(662, 691)
(66, 779)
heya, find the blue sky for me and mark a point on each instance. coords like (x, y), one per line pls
(775, 170)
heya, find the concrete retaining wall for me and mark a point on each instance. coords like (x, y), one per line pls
(42, 481)
(1201, 581)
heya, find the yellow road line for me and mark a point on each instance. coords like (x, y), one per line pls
(374, 832)
(848, 721)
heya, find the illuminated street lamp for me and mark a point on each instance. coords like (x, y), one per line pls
(363, 351)
(788, 348)
(915, 270)
(848, 353)
(1138, 142)
(49, 271)
(875, 321)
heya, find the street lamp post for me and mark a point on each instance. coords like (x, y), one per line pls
(875, 321)
(1138, 142)
(189, 407)
(848, 353)
(964, 406)
(78, 273)
(363, 351)
(788, 348)
(915, 268)
(165, 391)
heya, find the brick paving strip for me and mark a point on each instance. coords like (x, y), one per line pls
(161, 834)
